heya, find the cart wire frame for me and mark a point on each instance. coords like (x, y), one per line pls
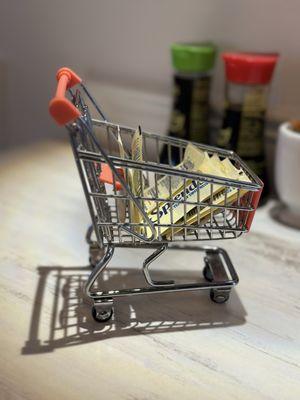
(95, 147)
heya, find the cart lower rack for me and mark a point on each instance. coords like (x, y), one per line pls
(119, 213)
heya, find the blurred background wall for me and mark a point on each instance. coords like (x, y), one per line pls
(126, 42)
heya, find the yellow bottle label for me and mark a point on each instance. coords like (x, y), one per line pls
(251, 139)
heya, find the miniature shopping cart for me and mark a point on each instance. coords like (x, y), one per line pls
(110, 199)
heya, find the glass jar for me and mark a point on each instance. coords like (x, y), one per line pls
(248, 76)
(193, 63)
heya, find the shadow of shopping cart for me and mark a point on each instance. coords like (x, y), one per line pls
(61, 314)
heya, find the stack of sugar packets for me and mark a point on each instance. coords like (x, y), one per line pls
(172, 201)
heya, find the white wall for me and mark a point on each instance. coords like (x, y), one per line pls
(128, 42)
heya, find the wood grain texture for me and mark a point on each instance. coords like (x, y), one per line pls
(157, 347)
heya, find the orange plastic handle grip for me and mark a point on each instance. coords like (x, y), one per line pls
(61, 109)
(106, 176)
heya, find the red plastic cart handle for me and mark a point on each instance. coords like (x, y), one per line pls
(60, 108)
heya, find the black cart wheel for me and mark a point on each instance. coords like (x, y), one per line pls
(92, 262)
(95, 256)
(207, 273)
(219, 296)
(102, 315)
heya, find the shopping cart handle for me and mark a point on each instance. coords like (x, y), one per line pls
(61, 109)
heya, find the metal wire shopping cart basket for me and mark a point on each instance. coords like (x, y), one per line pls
(110, 198)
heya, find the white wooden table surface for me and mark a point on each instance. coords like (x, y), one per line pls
(158, 347)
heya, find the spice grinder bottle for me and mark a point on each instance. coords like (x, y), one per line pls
(248, 76)
(192, 63)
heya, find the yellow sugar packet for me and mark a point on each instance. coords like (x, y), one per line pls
(228, 194)
(193, 158)
(196, 190)
(212, 166)
(121, 203)
(135, 176)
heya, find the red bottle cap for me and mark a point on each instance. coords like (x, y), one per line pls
(249, 68)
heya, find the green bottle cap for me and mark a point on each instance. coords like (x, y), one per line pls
(193, 57)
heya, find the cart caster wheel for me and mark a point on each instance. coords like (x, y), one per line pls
(91, 262)
(207, 273)
(95, 255)
(102, 315)
(218, 296)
